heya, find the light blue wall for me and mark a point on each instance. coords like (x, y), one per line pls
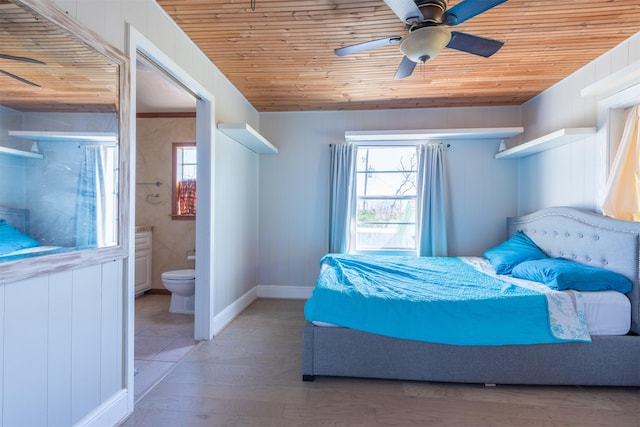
(293, 183)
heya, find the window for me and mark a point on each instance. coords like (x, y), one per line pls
(184, 180)
(386, 198)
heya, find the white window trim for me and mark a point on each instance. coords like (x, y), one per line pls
(397, 252)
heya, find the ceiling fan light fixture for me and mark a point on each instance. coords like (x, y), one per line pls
(425, 43)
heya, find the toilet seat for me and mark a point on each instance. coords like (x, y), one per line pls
(179, 275)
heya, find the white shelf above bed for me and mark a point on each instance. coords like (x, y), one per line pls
(425, 134)
(20, 153)
(248, 136)
(100, 137)
(546, 142)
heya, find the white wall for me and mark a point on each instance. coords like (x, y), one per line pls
(63, 361)
(236, 221)
(294, 183)
(573, 174)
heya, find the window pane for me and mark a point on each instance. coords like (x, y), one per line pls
(384, 210)
(396, 236)
(184, 185)
(386, 189)
(386, 184)
(188, 172)
(386, 158)
(189, 155)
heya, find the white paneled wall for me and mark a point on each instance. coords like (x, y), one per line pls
(294, 183)
(62, 345)
(570, 175)
(62, 334)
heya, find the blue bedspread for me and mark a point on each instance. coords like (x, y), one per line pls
(440, 300)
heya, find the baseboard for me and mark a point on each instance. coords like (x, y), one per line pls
(285, 292)
(110, 413)
(221, 320)
(156, 291)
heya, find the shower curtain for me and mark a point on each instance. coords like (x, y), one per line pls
(90, 209)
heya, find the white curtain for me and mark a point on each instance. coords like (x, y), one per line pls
(90, 209)
(622, 197)
(431, 201)
(342, 196)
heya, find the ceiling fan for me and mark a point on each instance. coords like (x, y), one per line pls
(428, 22)
(21, 59)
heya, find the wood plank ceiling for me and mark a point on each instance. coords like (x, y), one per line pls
(280, 55)
(71, 76)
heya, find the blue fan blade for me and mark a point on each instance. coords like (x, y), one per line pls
(405, 69)
(467, 9)
(473, 44)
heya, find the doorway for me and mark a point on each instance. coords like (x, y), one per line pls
(166, 114)
(205, 123)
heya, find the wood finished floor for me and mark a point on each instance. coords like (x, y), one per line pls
(250, 375)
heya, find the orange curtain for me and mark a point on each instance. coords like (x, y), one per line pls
(622, 199)
(187, 197)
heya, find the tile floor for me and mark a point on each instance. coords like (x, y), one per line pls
(162, 339)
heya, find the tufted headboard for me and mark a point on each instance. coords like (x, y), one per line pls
(17, 218)
(588, 238)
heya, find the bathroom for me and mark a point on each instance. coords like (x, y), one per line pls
(162, 337)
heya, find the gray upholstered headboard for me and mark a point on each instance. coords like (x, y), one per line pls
(588, 238)
(17, 218)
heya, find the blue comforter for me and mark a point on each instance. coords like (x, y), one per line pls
(440, 300)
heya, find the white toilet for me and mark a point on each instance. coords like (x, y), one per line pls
(182, 284)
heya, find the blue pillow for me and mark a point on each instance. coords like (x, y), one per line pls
(560, 274)
(13, 240)
(512, 252)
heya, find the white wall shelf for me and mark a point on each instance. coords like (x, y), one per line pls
(99, 137)
(426, 134)
(20, 153)
(546, 142)
(248, 136)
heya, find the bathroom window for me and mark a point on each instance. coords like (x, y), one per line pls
(184, 180)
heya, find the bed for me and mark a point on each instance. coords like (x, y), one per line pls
(613, 360)
(15, 241)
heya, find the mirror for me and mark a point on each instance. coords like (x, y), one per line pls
(60, 126)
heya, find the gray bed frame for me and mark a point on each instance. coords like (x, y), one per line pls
(571, 233)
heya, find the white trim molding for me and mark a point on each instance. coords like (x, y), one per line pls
(222, 319)
(110, 413)
(284, 292)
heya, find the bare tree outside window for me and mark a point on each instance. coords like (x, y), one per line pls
(386, 198)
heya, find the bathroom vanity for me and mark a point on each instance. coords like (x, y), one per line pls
(144, 239)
